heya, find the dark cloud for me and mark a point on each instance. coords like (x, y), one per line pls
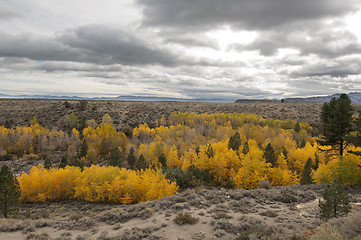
(115, 46)
(90, 44)
(340, 68)
(36, 48)
(76, 67)
(242, 14)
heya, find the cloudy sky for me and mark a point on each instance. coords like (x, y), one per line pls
(180, 48)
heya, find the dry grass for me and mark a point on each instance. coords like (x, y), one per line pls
(236, 214)
(130, 114)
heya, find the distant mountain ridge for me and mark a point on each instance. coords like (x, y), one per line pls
(354, 96)
(118, 98)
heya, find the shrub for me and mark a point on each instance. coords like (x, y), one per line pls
(83, 104)
(66, 104)
(327, 233)
(264, 184)
(287, 198)
(185, 218)
(6, 157)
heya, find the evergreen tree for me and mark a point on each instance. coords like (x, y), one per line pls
(63, 162)
(116, 157)
(235, 141)
(77, 162)
(317, 162)
(9, 191)
(306, 172)
(245, 149)
(284, 151)
(297, 127)
(83, 149)
(141, 163)
(209, 151)
(269, 155)
(356, 139)
(336, 117)
(335, 203)
(131, 159)
(47, 163)
(162, 159)
(82, 125)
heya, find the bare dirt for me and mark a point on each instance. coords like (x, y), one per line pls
(276, 213)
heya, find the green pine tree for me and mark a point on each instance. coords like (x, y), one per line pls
(235, 141)
(83, 149)
(297, 127)
(284, 151)
(306, 172)
(335, 203)
(163, 160)
(317, 162)
(116, 157)
(141, 163)
(63, 162)
(76, 162)
(47, 163)
(336, 117)
(9, 191)
(209, 151)
(245, 149)
(131, 159)
(269, 155)
(356, 139)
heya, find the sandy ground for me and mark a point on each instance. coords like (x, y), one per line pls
(276, 213)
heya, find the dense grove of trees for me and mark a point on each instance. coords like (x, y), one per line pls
(94, 184)
(232, 150)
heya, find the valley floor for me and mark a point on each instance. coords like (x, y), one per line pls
(289, 212)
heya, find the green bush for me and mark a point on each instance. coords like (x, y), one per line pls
(182, 178)
(6, 157)
(185, 218)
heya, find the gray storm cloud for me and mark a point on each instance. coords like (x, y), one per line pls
(300, 47)
(94, 44)
(244, 14)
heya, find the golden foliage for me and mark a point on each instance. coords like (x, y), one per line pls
(94, 184)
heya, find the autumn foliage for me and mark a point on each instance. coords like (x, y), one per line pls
(94, 184)
(232, 150)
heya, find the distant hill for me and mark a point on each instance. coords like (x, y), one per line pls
(354, 96)
(118, 98)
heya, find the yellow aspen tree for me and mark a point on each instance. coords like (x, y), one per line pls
(254, 168)
(172, 158)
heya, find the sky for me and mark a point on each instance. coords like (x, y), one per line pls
(229, 49)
